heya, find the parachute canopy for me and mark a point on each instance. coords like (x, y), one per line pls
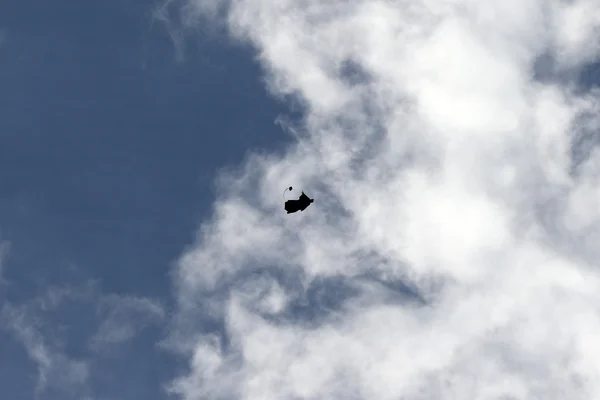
(292, 206)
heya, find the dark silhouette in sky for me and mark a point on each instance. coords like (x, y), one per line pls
(292, 206)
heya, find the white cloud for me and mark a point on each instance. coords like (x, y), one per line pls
(577, 26)
(448, 169)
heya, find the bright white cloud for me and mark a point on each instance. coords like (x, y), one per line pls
(447, 169)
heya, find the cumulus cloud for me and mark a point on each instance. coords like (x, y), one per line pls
(451, 251)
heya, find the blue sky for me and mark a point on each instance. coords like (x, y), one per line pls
(145, 252)
(109, 142)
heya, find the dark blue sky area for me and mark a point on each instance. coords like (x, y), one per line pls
(108, 146)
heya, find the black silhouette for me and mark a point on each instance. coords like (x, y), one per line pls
(292, 206)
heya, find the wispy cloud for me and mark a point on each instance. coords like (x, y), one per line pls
(56, 370)
(67, 331)
(443, 171)
(122, 318)
(4, 250)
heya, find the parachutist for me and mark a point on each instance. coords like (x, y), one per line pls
(292, 206)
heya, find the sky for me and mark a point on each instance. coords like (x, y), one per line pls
(450, 146)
